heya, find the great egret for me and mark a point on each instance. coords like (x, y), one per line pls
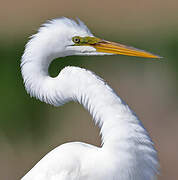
(127, 152)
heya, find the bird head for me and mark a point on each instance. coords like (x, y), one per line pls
(66, 37)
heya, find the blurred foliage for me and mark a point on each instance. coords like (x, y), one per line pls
(172, 51)
(21, 117)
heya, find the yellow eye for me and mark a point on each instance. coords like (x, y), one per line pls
(76, 39)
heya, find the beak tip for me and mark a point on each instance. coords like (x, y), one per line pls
(158, 57)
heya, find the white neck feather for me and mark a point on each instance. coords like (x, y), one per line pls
(121, 130)
(77, 84)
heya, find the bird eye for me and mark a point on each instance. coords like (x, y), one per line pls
(76, 39)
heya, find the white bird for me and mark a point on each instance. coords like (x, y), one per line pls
(127, 152)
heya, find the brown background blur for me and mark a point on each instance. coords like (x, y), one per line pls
(29, 129)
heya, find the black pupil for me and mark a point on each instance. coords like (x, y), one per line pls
(77, 40)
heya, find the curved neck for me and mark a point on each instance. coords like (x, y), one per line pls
(73, 83)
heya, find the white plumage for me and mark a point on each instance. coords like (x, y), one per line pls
(127, 152)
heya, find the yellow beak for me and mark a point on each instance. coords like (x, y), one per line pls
(116, 48)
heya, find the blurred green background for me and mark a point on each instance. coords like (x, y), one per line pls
(29, 129)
